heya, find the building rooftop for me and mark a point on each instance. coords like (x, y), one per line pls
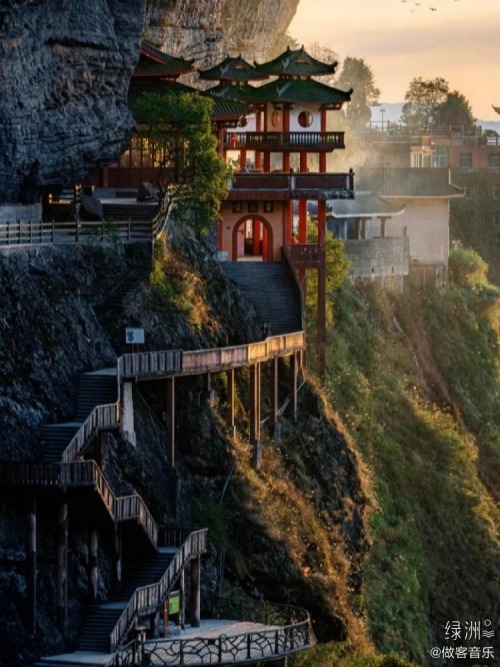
(232, 69)
(407, 182)
(156, 63)
(293, 90)
(364, 205)
(296, 63)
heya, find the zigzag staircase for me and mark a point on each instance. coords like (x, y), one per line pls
(97, 388)
(147, 582)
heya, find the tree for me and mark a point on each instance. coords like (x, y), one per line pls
(191, 174)
(423, 100)
(356, 74)
(326, 55)
(455, 111)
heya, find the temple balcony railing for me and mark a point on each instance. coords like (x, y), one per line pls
(279, 141)
(287, 186)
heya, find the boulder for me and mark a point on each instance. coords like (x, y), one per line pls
(90, 208)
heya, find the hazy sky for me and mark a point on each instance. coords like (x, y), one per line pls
(458, 40)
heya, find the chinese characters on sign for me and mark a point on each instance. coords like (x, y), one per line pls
(466, 640)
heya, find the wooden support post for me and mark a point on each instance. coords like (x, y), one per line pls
(255, 412)
(206, 393)
(273, 383)
(322, 155)
(302, 221)
(93, 565)
(182, 600)
(31, 575)
(255, 237)
(243, 159)
(230, 403)
(287, 222)
(294, 367)
(117, 561)
(286, 128)
(321, 317)
(165, 618)
(154, 623)
(62, 565)
(170, 420)
(194, 598)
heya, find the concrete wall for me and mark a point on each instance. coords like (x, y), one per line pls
(375, 258)
(427, 226)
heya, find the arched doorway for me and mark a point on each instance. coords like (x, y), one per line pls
(252, 239)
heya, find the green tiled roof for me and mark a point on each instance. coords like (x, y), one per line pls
(291, 90)
(223, 108)
(296, 63)
(407, 182)
(153, 62)
(232, 69)
(240, 93)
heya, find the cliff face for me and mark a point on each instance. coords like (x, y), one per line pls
(64, 73)
(65, 68)
(207, 29)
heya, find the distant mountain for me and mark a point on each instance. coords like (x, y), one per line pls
(392, 114)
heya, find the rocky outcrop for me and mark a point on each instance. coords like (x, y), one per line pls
(206, 30)
(65, 68)
(64, 72)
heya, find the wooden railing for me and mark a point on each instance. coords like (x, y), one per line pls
(293, 186)
(101, 417)
(284, 140)
(148, 599)
(124, 508)
(302, 255)
(79, 474)
(15, 232)
(286, 630)
(144, 365)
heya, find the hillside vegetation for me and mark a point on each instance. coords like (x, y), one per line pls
(415, 379)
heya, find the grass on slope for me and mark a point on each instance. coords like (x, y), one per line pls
(415, 379)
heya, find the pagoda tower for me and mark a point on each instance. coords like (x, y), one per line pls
(273, 161)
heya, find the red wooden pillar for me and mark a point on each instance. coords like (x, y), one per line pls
(267, 162)
(265, 245)
(258, 128)
(321, 317)
(322, 155)
(287, 222)
(286, 128)
(303, 203)
(170, 420)
(256, 227)
(243, 158)
(62, 565)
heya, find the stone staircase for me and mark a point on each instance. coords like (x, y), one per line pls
(94, 388)
(268, 287)
(101, 619)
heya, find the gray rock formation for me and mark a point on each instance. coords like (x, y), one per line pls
(65, 68)
(207, 30)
